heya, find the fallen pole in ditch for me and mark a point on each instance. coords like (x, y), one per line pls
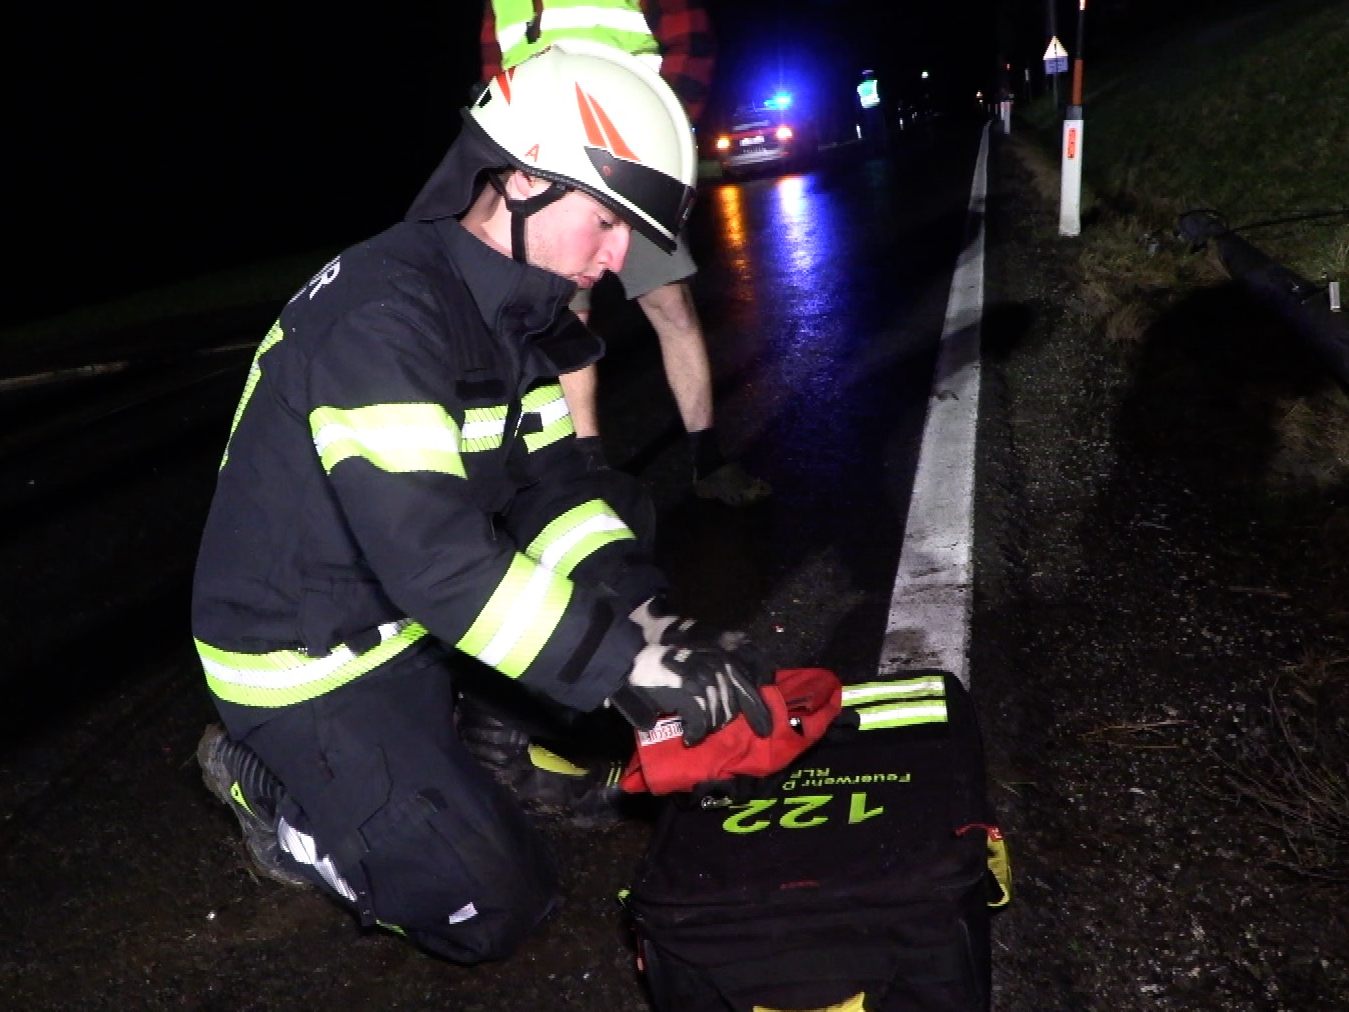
(1302, 303)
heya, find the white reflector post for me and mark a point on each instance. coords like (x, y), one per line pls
(1070, 195)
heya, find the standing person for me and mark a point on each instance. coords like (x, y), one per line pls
(402, 505)
(675, 37)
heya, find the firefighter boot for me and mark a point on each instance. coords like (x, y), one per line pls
(715, 477)
(732, 484)
(546, 785)
(236, 776)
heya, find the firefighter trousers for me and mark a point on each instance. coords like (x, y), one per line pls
(387, 811)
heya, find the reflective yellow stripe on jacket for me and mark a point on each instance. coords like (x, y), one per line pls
(484, 428)
(618, 23)
(519, 617)
(393, 437)
(274, 336)
(555, 422)
(576, 535)
(283, 677)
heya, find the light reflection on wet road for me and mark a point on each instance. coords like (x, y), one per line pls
(822, 297)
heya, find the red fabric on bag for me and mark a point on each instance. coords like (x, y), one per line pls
(803, 701)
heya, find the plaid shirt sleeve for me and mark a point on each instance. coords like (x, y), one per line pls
(488, 46)
(688, 49)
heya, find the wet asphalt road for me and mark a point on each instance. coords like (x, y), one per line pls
(123, 881)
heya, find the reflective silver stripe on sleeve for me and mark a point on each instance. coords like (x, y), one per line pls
(556, 19)
(581, 19)
(484, 428)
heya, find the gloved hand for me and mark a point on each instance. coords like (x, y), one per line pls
(705, 688)
(662, 626)
(592, 450)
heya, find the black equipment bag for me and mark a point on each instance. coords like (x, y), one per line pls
(861, 878)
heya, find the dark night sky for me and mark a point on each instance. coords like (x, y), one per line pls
(152, 142)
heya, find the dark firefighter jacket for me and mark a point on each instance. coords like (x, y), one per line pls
(401, 470)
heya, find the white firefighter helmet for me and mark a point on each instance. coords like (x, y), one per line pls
(595, 118)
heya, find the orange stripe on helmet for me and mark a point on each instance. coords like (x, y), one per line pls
(592, 127)
(616, 143)
(600, 129)
(504, 83)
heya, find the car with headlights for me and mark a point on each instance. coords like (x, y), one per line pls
(764, 138)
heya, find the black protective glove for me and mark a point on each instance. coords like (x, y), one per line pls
(705, 688)
(663, 627)
(592, 450)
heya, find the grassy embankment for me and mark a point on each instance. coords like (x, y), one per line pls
(1248, 118)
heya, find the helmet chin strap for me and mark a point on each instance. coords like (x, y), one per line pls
(522, 209)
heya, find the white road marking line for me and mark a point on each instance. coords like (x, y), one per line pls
(929, 624)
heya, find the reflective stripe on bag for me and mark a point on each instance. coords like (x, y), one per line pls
(902, 702)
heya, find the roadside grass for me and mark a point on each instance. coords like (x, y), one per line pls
(1132, 268)
(1237, 117)
(1247, 118)
(1232, 116)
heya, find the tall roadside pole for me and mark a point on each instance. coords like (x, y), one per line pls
(1051, 21)
(1070, 190)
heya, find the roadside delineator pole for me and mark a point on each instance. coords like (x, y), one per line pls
(1004, 95)
(1070, 188)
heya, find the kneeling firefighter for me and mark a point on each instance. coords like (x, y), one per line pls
(401, 512)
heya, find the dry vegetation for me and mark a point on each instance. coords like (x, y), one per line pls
(1296, 773)
(1132, 264)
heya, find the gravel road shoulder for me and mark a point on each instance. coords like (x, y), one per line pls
(1145, 582)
